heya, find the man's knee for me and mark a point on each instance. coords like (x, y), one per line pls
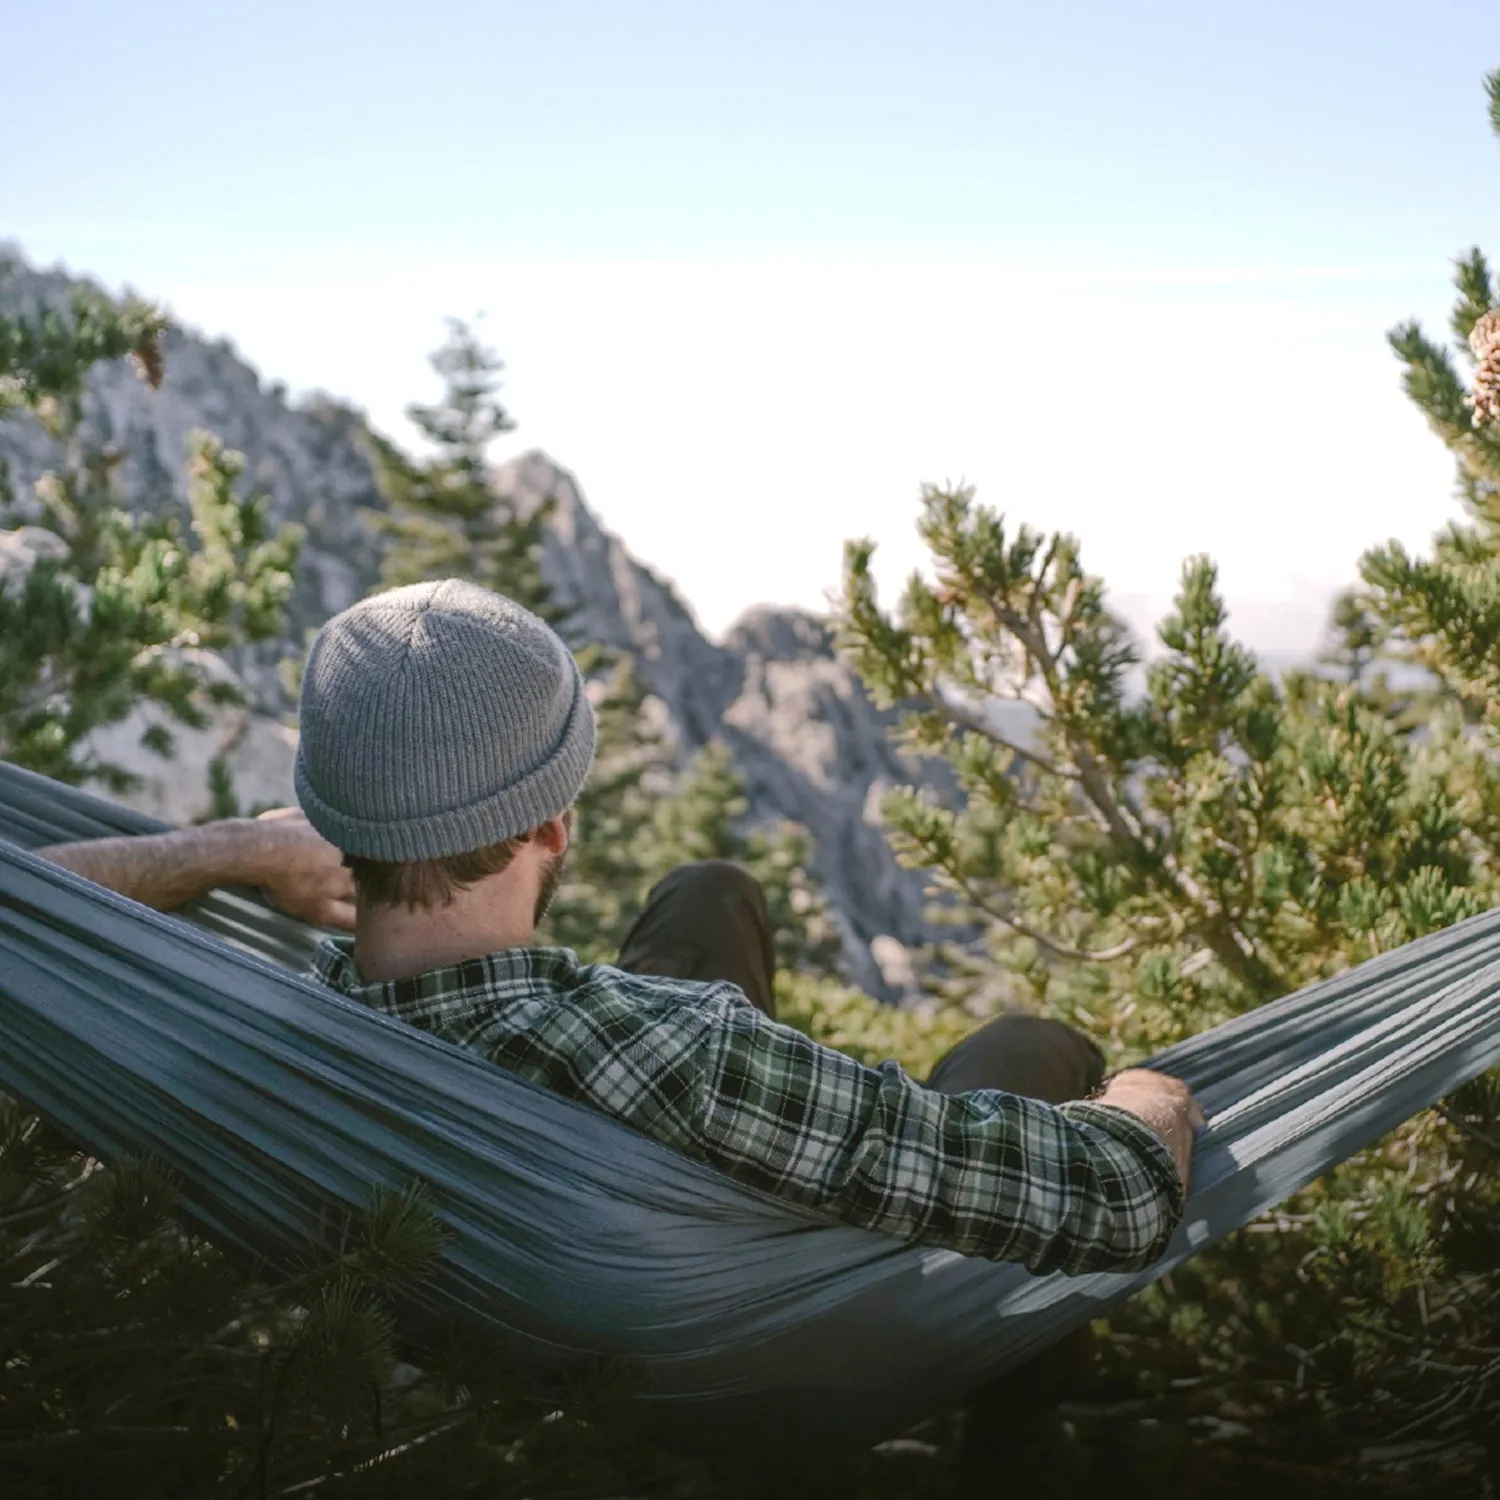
(707, 921)
(1029, 1055)
(708, 879)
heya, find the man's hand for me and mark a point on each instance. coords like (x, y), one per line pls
(302, 873)
(1165, 1104)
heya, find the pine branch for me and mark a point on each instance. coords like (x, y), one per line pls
(961, 719)
(1235, 949)
(1054, 946)
(1471, 275)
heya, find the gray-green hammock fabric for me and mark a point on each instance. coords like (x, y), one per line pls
(747, 1322)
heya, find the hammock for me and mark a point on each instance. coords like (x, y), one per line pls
(273, 1100)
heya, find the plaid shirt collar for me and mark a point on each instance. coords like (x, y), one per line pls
(333, 963)
(510, 970)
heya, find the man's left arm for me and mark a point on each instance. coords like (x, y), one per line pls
(280, 852)
(1074, 1188)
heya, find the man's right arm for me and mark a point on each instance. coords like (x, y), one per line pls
(1079, 1187)
(278, 851)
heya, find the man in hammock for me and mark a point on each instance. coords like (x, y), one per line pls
(445, 734)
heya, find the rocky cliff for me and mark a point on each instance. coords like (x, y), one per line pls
(807, 740)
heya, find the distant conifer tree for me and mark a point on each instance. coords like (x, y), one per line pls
(639, 815)
(115, 610)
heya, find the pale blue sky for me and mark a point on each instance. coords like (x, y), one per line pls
(1127, 267)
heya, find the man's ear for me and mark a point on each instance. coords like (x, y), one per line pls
(553, 835)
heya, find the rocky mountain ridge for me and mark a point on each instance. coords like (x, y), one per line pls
(809, 743)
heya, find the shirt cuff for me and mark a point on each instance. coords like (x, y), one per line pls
(1133, 1131)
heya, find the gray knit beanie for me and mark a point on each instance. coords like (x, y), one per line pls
(438, 719)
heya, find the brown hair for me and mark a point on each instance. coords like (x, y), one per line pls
(422, 884)
(425, 883)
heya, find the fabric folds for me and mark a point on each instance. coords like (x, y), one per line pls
(190, 1039)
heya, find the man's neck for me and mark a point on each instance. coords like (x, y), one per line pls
(394, 942)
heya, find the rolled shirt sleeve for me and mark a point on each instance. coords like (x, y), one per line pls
(1074, 1188)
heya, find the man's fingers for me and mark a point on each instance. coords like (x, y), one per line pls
(330, 881)
(336, 914)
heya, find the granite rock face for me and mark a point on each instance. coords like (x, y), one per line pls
(807, 740)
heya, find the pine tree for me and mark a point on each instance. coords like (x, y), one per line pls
(1169, 837)
(444, 517)
(1442, 613)
(1179, 840)
(638, 816)
(117, 610)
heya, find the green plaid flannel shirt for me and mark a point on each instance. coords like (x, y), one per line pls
(1075, 1188)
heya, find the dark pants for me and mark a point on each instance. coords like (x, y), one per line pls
(708, 921)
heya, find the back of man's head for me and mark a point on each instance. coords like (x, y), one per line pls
(438, 720)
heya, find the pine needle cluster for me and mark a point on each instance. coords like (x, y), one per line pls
(117, 611)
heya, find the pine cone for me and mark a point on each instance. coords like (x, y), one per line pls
(149, 364)
(1485, 332)
(1484, 340)
(1485, 395)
